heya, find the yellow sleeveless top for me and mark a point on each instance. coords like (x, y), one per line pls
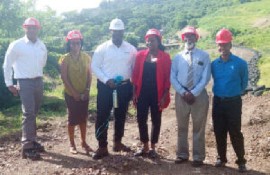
(76, 71)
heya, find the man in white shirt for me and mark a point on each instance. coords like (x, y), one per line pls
(190, 73)
(26, 58)
(113, 65)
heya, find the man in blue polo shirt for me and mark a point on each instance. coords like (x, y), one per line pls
(230, 75)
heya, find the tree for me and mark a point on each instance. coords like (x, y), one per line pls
(11, 18)
(132, 39)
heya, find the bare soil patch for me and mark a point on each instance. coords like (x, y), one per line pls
(262, 22)
(58, 160)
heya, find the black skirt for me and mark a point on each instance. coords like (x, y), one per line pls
(77, 110)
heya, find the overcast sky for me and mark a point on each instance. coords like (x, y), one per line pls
(67, 5)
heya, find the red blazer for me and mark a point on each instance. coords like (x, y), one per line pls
(163, 73)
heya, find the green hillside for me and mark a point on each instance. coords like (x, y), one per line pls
(251, 22)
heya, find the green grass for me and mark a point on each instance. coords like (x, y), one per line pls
(93, 95)
(53, 106)
(264, 66)
(10, 120)
(242, 18)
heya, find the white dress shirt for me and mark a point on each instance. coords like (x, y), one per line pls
(110, 61)
(201, 71)
(25, 58)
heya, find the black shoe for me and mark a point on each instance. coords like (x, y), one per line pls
(197, 163)
(100, 153)
(31, 154)
(152, 154)
(242, 168)
(180, 160)
(141, 152)
(220, 163)
(38, 147)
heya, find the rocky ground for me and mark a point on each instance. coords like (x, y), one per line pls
(58, 160)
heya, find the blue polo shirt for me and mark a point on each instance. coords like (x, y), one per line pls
(230, 77)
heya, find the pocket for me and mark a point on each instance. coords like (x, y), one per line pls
(199, 69)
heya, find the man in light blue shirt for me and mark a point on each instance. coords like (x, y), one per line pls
(230, 75)
(190, 73)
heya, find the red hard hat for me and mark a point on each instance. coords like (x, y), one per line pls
(153, 32)
(189, 29)
(223, 36)
(74, 34)
(31, 22)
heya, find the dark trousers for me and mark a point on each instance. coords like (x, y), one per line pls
(227, 118)
(104, 106)
(146, 101)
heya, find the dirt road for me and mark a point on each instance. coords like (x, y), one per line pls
(57, 160)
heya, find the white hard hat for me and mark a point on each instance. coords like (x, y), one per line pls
(117, 24)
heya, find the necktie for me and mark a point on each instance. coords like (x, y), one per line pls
(190, 71)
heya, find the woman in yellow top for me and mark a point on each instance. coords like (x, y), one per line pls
(76, 75)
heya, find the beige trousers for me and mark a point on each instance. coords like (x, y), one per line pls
(198, 112)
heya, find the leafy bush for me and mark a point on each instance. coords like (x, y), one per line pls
(132, 39)
(6, 98)
(52, 68)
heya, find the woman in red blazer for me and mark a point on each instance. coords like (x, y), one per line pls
(151, 80)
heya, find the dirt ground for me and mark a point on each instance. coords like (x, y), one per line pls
(58, 160)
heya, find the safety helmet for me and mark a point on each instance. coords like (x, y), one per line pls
(117, 24)
(223, 36)
(189, 29)
(31, 22)
(153, 32)
(74, 34)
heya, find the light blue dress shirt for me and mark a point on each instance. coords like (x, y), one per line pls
(201, 71)
(230, 77)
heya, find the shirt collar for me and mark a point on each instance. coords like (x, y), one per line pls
(230, 59)
(112, 44)
(190, 51)
(26, 40)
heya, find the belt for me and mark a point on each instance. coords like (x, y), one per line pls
(227, 98)
(124, 82)
(35, 78)
(127, 81)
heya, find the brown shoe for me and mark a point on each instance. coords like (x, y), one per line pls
(86, 148)
(118, 146)
(100, 153)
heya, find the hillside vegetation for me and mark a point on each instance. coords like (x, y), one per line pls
(251, 25)
(249, 20)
